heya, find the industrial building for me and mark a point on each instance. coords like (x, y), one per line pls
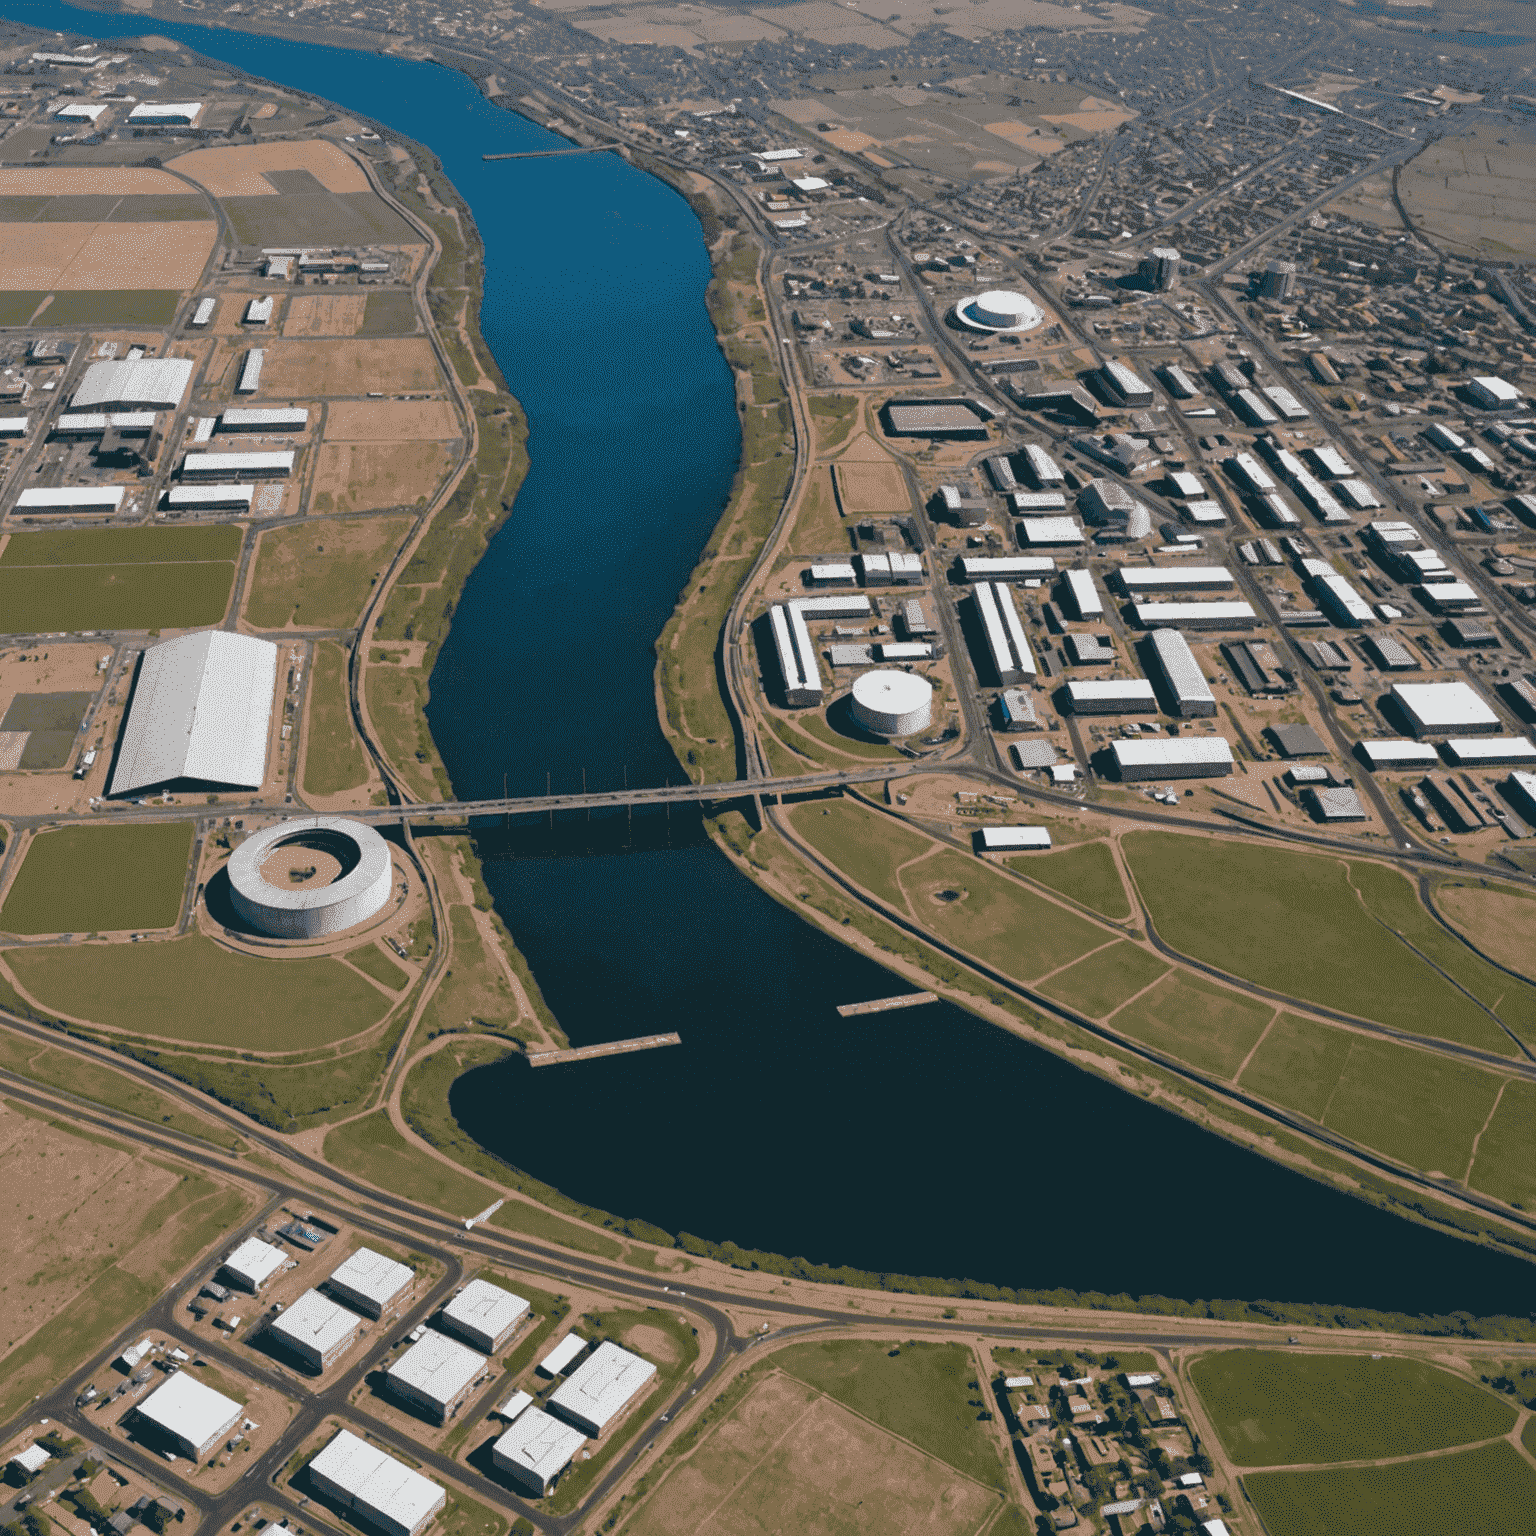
(484, 1315)
(370, 1282)
(71, 498)
(1337, 597)
(1016, 710)
(892, 704)
(165, 114)
(1178, 382)
(1249, 473)
(193, 1417)
(259, 311)
(309, 910)
(1006, 567)
(831, 574)
(1082, 593)
(898, 568)
(209, 498)
(601, 1388)
(946, 420)
(1000, 472)
(1520, 788)
(1337, 802)
(315, 1329)
(31, 1460)
(203, 314)
(1090, 650)
(1183, 757)
(1390, 754)
(146, 383)
(1006, 643)
(1124, 386)
(199, 714)
(1493, 393)
(798, 667)
(238, 418)
(1107, 504)
(383, 1492)
(274, 464)
(1488, 751)
(1136, 580)
(1044, 532)
(1031, 503)
(1012, 839)
(95, 423)
(436, 1374)
(252, 1264)
(1390, 654)
(1181, 675)
(536, 1450)
(1254, 409)
(1043, 469)
(555, 1362)
(1236, 615)
(250, 371)
(1283, 401)
(1298, 739)
(1111, 696)
(1440, 709)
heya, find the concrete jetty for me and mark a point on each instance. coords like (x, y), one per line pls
(610, 1048)
(883, 1004)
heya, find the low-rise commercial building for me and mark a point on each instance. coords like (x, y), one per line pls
(485, 1315)
(536, 1450)
(315, 1329)
(383, 1492)
(599, 1390)
(370, 1282)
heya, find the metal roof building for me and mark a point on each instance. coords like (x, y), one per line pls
(204, 311)
(1005, 567)
(1038, 532)
(796, 657)
(1184, 757)
(1043, 469)
(536, 1450)
(31, 1460)
(1236, 615)
(1480, 751)
(555, 1362)
(436, 1374)
(1011, 839)
(384, 1492)
(239, 418)
(1032, 502)
(1181, 674)
(159, 383)
(484, 1315)
(200, 710)
(275, 462)
(153, 113)
(315, 1329)
(1084, 595)
(1137, 579)
(1521, 790)
(194, 1417)
(1397, 754)
(71, 498)
(209, 498)
(1437, 709)
(1112, 696)
(369, 1281)
(253, 1263)
(1006, 644)
(90, 423)
(250, 371)
(601, 1388)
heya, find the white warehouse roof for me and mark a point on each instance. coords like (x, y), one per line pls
(165, 112)
(555, 1362)
(1436, 707)
(1169, 757)
(376, 1485)
(605, 1384)
(315, 1325)
(1003, 839)
(537, 1445)
(244, 418)
(1398, 753)
(254, 1262)
(437, 1368)
(189, 1412)
(274, 462)
(200, 710)
(484, 1312)
(371, 1276)
(93, 498)
(1005, 567)
(158, 382)
(1051, 530)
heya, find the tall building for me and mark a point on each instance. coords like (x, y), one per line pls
(1278, 281)
(1160, 270)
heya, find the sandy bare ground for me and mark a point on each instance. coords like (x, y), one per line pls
(390, 421)
(325, 314)
(303, 370)
(98, 256)
(358, 477)
(872, 487)
(87, 181)
(236, 171)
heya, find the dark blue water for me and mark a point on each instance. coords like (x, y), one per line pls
(922, 1141)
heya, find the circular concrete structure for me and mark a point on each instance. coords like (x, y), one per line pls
(893, 703)
(305, 878)
(1000, 311)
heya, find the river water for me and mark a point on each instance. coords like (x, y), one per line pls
(921, 1141)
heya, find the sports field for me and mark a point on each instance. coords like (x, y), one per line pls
(192, 989)
(1274, 1409)
(117, 578)
(1486, 1490)
(100, 879)
(787, 1458)
(319, 575)
(1296, 922)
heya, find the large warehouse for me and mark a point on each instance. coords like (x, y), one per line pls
(536, 1450)
(315, 1329)
(601, 1388)
(484, 1315)
(436, 1374)
(200, 713)
(148, 383)
(193, 1417)
(253, 1263)
(1185, 757)
(347, 874)
(1444, 709)
(370, 1282)
(384, 1492)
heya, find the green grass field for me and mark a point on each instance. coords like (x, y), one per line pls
(100, 879)
(372, 961)
(1099, 983)
(865, 845)
(1199, 1021)
(999, 921)
(1086, 873)
(1489, 1489)
(319, 576)
(922, 1394)
(191, 989)
(1505, 1167)
(1293, 922)
(1415, 1106)
(121, 306)
(1274, 1410)
(374, 1150)
(390, 312)
(118, 578)
(333, 756)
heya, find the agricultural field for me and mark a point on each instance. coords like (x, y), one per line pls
(193, 990)
(301, 370)
(391, 312)
(244, 170)
(1208, 1025)
(98, 1229)
(44, 256)
(787, 1458)
(38, 730)
(359, 477)
(1476, 192)
(1297, 923)
(100, 879)
(319, 575)
(1274, 1410)
(118, 578)
(1487, 1489)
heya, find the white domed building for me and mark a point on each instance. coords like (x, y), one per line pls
(312, 876)
(890, 703)
(999, 311)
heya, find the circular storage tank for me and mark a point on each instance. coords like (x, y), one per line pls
(305, 878)
(893, 703)
(999, 310)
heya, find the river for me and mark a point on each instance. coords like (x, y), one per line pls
(921, 1141)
